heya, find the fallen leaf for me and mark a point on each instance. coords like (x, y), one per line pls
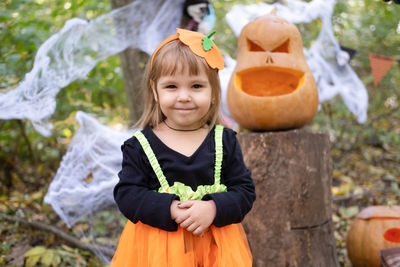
(16, 257)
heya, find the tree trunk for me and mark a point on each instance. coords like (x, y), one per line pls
(133, 63)
(290, 223)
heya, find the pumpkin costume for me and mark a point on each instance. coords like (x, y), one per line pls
(146, 245)
(153, 175)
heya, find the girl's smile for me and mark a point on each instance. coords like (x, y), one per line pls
(184, 99)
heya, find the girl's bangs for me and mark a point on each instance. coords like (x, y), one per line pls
(176, 57)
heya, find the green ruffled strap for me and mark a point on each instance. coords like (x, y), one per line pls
(153, 160)
(183, 191)
(219, 151)
(186, 192)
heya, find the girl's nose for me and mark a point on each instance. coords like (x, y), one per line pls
(184, 96)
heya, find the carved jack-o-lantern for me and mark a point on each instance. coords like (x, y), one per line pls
(375, 228)
(272, 86)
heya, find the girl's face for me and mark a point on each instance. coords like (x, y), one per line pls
(184, 99)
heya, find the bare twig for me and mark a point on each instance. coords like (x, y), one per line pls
(2, 122)
(25, 137)
(70, 239)
(349, 197)
(362, 195)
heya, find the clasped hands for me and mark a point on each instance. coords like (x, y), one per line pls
(194, 215)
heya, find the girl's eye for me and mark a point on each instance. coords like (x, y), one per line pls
(170, 86)
(197, 86)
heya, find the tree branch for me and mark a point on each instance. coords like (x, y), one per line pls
(2, 122)
(58, 232)
(25, 137)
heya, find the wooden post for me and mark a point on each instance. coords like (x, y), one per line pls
(290, 223)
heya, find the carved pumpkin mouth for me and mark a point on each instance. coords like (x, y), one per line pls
(269, 81)
(392, 235)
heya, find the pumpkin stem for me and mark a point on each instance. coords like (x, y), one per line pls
(211, 34)
(207, 43)
(273, 11)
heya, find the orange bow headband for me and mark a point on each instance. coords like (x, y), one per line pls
(199, 44)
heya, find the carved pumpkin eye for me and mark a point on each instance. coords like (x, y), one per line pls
(253, 47)
(283, 48)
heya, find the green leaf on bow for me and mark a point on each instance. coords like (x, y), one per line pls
(207, 43)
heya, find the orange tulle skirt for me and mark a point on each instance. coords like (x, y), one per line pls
(144, 246)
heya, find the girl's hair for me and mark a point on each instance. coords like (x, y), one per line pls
(173, 58)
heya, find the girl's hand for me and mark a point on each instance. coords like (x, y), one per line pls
(197, 215)
(175, 210)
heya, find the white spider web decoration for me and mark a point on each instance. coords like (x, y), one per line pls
(88, 171)
(76, 49)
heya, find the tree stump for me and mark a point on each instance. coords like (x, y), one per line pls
(290, 223)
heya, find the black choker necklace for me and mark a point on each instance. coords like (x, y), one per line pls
(183, 130)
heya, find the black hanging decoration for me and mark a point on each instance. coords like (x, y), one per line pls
(343, 56)
(352, 52)
(195, 11)
(189, 3)
(395, 1)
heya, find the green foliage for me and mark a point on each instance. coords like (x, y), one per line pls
(28, 161)
(370, 26)
(25, 25)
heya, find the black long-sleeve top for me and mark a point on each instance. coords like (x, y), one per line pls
(136, 196)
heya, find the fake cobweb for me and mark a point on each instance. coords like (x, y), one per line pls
(88, 171)
(77, 48)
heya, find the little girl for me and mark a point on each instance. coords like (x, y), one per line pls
(183, 184)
